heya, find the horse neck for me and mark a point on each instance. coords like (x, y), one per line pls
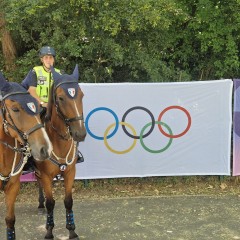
(6, 154)
(5, 137)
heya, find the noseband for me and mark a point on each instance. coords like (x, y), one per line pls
(23, 135)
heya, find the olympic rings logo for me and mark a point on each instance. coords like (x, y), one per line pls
(163, 128)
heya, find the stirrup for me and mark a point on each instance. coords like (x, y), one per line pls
(80, 157)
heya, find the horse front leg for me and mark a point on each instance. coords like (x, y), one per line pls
(46, 182)
(11, 191)
(41, 199)
(68, 202)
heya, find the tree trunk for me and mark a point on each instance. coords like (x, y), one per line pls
(8, 47)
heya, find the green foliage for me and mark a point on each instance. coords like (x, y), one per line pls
(209, 44)
(130, 40)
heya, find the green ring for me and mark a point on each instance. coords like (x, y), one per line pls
(156, 151)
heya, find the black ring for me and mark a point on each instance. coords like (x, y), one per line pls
(141, 108)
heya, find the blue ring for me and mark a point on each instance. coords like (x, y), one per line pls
(99, 109)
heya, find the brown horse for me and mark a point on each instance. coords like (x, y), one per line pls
(21, 135)
(65, 127)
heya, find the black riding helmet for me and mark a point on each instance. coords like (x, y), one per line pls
(47, 51)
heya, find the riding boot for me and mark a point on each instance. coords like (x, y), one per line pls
(80, 157)
(29, 166)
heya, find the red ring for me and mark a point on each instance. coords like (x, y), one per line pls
(177, 135)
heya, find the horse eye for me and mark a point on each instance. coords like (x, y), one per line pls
(15, 109)
(61, 99)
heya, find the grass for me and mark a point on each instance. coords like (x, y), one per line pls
(135, 187)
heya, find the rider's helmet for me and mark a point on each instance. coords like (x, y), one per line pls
(47, 51)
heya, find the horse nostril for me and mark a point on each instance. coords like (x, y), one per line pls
(79, 136)
(44, 153)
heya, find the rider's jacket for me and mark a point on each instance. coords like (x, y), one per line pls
(44, 82)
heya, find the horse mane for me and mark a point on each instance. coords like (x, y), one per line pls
(50, 104)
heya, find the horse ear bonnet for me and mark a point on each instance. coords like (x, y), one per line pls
(56, 76)
(27, 78)
(75, 73)
(25, 100)
(60, 78)
(4, 84)
(69, 83)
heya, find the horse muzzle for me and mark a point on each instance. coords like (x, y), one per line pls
(79, 136)
(40, 150)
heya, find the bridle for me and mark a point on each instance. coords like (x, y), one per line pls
(23, 135)
(66, 120)
(55, 159)
(25, 150)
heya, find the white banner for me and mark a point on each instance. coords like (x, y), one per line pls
(156, 129)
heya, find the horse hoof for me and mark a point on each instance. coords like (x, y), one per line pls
(75, 238)
(41, 211)
(49, 237)
(73, 235)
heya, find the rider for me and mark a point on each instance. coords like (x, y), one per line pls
(40, 82)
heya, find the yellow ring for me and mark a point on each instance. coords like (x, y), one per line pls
(115, 151)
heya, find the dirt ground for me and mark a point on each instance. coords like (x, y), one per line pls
(157, 208)
(134, 218)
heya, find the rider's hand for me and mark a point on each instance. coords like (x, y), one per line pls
(43, 104)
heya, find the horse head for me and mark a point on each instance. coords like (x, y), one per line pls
(67, 97)
(21, 120)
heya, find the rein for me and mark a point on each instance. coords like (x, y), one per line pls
(64, 137)
(66, 121)
(16, 169)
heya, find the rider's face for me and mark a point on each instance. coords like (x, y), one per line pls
(47, 60)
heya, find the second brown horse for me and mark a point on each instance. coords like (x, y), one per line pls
(64, 125)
